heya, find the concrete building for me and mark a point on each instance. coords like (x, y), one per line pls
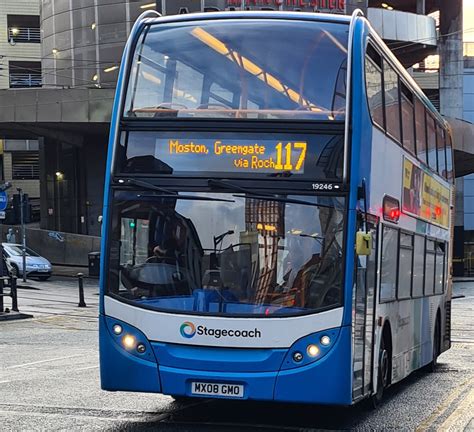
(20, 67)
(466, 193)
(20, 47)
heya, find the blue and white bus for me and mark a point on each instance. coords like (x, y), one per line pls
(277, 216)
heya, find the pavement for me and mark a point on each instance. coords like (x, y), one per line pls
(70, 271)
(49, 380)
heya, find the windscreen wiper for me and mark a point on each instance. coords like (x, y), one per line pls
(285, 200)
(143, 184)
(167, 193)
(186, 197)
(221, 184)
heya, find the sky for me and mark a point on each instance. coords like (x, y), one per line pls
(468, 20)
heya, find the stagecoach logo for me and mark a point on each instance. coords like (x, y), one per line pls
(188, 330)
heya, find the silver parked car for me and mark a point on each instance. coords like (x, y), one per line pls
(36, 265)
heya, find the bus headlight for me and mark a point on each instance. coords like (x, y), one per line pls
(128, 341)
(312, 350)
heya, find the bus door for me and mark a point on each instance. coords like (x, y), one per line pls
(363, 316)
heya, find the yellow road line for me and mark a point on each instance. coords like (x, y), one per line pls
(445, 405)
(465, 408)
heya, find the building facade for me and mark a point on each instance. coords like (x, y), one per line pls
(466, 193)
(20, 67)
(20, 47)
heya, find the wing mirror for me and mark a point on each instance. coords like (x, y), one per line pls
(363, 243)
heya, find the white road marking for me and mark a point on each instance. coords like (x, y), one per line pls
(88, 367)
(44, 361)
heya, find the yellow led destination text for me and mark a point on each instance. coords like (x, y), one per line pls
(176, 147)
(289, 156)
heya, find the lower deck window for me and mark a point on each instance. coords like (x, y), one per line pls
(388, 282)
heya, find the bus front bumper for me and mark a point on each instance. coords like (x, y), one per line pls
(173, 370)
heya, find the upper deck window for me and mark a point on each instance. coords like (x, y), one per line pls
(250, 68)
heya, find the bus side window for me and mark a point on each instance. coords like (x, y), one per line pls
(431, 135)
(420, 130)
(373, 82)
(405, 263)
(418, 266)
(392, 107)
(430, 267)
(439, 278)
(449, 158)
(441, 145)
(408, 127)
(388, 282)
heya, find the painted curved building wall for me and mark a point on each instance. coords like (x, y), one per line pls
(82, 40)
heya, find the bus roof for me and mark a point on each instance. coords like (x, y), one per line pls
(306, 16)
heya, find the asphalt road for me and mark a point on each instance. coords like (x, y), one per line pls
(49, 380)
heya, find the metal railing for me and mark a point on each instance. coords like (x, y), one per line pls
(21, 80)
(24, 35)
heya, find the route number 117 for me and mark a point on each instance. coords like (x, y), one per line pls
(286, 155)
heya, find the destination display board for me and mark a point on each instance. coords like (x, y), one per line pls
(241, 154)
(268, 156)
(424, 196)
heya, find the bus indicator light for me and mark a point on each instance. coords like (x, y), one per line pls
(117, 329)
(297, 356)
(325, 340)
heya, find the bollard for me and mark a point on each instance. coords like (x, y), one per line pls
(80, 279)
(14, 293)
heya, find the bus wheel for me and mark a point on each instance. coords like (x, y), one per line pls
(383, 373)
(436, 344)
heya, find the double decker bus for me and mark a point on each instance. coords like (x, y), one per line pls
(277, 217)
